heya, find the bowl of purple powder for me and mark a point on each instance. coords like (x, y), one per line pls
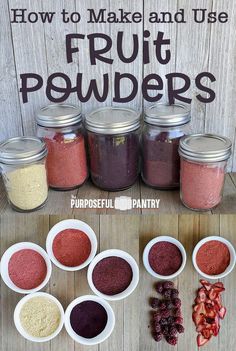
(89, 320)
(113, 274)
(164, 257)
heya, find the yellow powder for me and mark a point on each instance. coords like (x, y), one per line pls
(27, 187)
(40, 317)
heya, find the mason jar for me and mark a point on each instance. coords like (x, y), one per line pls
(164, 126)
(113, 139)
(203, 165)
(22, 162)
(60, 126)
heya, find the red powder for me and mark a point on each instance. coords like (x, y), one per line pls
(112, 275)
(165, 258)
(213, 257)
(27, 269)
(66, 162)
(71, 247)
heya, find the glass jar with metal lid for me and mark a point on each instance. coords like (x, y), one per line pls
(22, 163)
(60, 125)
(113, 138)
(203, 164)
(164, 126)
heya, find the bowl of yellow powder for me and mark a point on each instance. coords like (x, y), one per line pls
(39, 317)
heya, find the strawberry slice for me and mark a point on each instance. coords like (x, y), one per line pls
(206, 284)
(212, 294)
(201, 340)
(222, 312)
(202, 295)
(219, 286)
(198, 318)
(208, 310)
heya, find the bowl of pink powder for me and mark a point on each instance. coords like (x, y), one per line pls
(71, 244)
(164, 257)
(25, 267)
(214, 257)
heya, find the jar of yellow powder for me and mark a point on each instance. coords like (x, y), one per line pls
(22, 163)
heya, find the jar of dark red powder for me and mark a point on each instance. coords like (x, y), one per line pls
(113, 138)
(203, 165)
(60, 126)
(164, 126)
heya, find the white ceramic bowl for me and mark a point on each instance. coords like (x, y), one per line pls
(147, 249)
(5, 260)
(232, 257)
(17, 321)
(104, 334)
(71, 224)
(133, 265)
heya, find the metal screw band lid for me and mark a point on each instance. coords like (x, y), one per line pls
(112, 120)
(205, 147)
(165, 115)
(22, 150)
(58, 115)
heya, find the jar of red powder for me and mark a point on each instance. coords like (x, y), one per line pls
(113, 138)
(164, 126)
(60, 126)
(203, 165)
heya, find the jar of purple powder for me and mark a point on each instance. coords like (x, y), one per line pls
(113, 139)
(164, 126)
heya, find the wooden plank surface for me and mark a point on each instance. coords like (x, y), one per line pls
(59, 202)
(132, 330)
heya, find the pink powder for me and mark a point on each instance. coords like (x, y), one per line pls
(201, 184)
(27, 269)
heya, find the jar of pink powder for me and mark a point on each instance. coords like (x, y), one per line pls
(203, 165)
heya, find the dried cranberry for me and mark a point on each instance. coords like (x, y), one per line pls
(157, 337)
(165, 313)
(163, 321)
(174, 293)
(156, 316)
(159, 287)
(167, 293)
(154, 302)
(180, 328)
(172, 340)
(173, 331)
(176, 302)
(168, 285)
(165, 330)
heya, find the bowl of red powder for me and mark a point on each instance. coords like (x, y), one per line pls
(113, 274)
(214, 257)
(25, 267)
(71, 244)
(164, 257)
(89, 320)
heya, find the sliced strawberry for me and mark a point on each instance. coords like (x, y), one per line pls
(201, 295)
(200, 328)
(219, 285)
(206, 333)
(201, 340)
(198, 318)
(222, 312)
(206, 284)
(213, 294)
(211, 314)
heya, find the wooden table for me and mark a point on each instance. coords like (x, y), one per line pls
(59, 202)
(130, 233)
